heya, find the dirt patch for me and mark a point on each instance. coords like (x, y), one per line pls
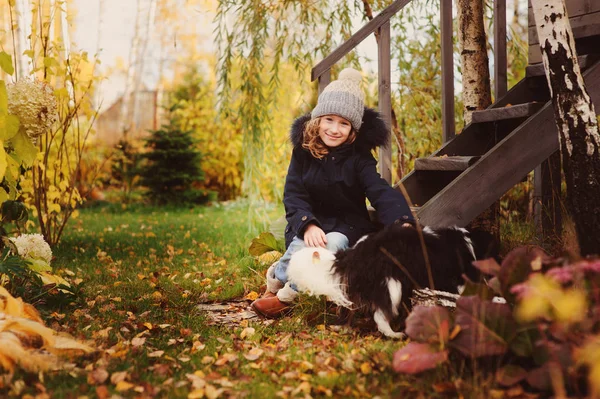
(231, 313)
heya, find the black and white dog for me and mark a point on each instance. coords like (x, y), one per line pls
(381, 271)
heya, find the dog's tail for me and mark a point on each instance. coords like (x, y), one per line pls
(311, 271)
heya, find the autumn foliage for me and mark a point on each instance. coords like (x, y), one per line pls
(548, 326)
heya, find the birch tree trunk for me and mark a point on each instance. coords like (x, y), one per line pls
(139, 74)
(66, 42)
(476, 85)
(575, 118)
(126, 101)
(473, 56)
(23, 39)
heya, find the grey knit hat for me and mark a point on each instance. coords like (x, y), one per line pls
(343, 97)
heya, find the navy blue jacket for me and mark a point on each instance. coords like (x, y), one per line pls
(331, 192)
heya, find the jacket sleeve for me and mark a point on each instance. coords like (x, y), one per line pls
(297, 201)
(390, 204)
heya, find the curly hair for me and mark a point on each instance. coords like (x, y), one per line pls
(312, 141)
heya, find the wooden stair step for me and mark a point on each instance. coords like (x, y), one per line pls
(508, 112)
(538, 69)
(445, 163)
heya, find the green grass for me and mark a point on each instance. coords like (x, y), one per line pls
(143, 271)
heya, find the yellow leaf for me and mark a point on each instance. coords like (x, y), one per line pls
(365, 368)
(3, 160)
(570, 307)
(196, 394)
(252, 295)
(123, 386)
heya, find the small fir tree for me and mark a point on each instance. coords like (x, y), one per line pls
(172, 167)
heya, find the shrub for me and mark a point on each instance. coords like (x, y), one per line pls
(545, 337)
(172, 167)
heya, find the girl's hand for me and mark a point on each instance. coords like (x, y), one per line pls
(314, 236)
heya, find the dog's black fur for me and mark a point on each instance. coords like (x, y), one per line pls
(396, 253)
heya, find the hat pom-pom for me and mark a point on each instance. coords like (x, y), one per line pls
(350, 74)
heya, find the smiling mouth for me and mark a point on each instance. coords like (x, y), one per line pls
(332, 137)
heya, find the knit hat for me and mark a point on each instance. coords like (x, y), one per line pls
(343, 97)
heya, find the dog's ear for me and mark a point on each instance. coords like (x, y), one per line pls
(316, 258)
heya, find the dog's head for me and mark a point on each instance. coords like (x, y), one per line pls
(485, 244)
(469, 245)
(313, 255)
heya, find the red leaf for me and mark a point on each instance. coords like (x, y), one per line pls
(429, 324)
(487, 266)
(518, 265)
(510, 374)
(415, 358)
(486, 327)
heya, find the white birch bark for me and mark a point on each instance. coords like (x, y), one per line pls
(575, 118)
(474, 59)
(66, 42)
(145, 37)
(126, 101)
(23, 39)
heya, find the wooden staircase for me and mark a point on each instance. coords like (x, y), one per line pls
(496, 151)
(502, 144)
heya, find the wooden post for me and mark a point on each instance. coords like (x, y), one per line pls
(324, 80)
(385, 98)
(447, 71)
(500, 62)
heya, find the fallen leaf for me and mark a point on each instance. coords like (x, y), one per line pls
(252, 295)
(254, 354)
(118, 376)
(247, 332)
(123, 386)
(97, 376)
(365, 368)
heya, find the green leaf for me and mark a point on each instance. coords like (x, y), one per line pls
(24, 148)
(6, 63)
(13, 211)
(9, 126)
(265, 242)
(39, 265)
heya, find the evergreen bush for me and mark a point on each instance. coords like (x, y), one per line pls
(172, 168)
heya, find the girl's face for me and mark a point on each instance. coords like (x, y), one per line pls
(334, 130)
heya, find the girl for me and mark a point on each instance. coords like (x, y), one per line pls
(331, 173)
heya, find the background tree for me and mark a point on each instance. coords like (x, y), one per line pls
(476, 92)
(575, 118)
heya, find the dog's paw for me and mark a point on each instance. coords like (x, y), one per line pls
(395, 335)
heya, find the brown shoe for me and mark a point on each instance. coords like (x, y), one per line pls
(271, 307)
(268, 294)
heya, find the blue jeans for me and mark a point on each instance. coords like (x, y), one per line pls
(335, 242)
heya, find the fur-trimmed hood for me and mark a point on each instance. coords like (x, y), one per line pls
(372, 133)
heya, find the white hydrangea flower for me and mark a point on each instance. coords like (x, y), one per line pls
(34, 103)
(33, 247)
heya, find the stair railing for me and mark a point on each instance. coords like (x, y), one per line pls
(381, 26)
